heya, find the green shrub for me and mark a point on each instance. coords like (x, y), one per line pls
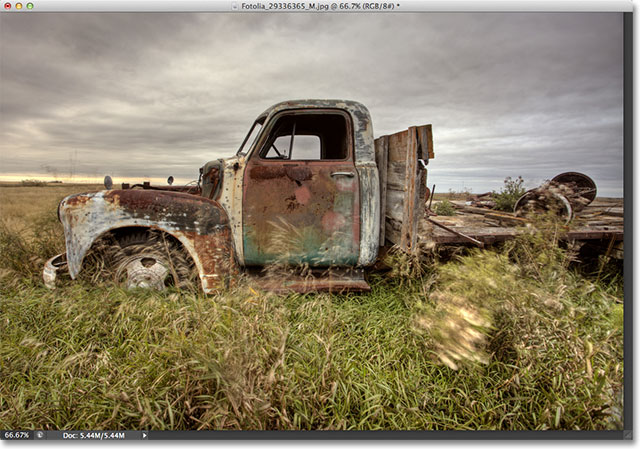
(445, 207)
(509, 194)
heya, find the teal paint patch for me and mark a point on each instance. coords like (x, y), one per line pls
(300, 246)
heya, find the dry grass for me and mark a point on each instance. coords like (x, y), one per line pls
(21, 206)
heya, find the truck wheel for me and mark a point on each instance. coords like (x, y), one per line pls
(150, 260)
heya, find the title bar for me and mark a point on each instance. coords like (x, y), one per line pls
(314, 6)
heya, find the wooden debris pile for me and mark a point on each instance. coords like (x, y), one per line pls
(571, 194)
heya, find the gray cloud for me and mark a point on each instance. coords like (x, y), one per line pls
(138, 95)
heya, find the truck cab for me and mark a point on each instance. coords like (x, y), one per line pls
(306, 169)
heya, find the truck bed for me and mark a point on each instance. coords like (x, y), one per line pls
(601, 222)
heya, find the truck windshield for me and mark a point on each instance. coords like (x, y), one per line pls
(251, 137)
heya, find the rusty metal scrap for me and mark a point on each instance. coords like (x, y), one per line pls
(578, 188)
(51, 268)
(564, 195)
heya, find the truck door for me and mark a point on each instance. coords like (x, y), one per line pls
(301, 196)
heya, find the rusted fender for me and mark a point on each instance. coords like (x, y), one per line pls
(200, 224)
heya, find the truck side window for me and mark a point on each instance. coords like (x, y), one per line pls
(308, 137)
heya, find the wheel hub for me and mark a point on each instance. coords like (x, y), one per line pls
(144, 271)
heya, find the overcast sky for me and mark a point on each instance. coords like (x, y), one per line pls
(151, 95)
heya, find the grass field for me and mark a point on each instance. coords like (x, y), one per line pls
(21, 206)
(512, 338)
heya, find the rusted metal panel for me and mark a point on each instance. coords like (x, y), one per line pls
(193, 189)
(297, 212)
(211, 177)
(201, 225)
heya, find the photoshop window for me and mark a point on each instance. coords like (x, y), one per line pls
(315, 220)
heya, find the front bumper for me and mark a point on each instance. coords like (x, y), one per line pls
(51, 267)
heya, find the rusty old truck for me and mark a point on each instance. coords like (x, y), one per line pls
(309, 187)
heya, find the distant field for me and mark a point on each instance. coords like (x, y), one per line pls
(20, 206)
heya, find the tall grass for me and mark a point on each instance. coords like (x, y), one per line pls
(539, 347)
(558, 333)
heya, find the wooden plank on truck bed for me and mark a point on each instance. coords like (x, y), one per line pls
(592, 224)
(397, 161)
(497, 234)
(382, 158)
(395, 205)
(404, 183)
(412, 212)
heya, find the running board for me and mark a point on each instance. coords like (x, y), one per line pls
(333, 280)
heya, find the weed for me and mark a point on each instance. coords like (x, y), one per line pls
(509, 193)
(444, 207)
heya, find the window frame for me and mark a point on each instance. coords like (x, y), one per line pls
(242, 151)
(260, 147)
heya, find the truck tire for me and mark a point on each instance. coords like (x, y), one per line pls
(151, 260)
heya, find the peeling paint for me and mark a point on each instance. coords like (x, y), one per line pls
(230, 199)
(87, 217)
(302, 194)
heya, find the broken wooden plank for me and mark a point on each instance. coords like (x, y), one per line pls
(504, 218)
(471, 209)
(491, 235)
(395, 205)
(459, 234)
(382, 156)
(412, 201)
(396, 174)
(392, 230)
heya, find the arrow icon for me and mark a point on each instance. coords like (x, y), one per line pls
(144, 435)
